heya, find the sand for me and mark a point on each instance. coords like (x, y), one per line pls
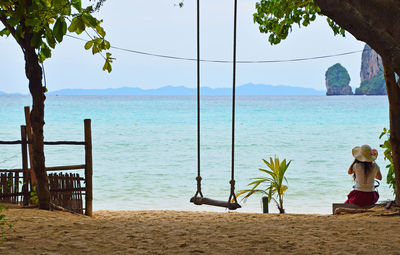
(178, 232)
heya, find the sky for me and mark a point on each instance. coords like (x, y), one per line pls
(160, 27)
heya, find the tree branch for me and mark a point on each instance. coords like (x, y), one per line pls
(379, 27)
(12, 32)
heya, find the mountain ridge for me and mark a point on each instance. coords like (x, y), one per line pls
(248, 89)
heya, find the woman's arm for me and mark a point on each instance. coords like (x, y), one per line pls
(378, 175)
(350, 171)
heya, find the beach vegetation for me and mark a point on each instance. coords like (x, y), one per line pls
(33, 196)
(390, 179)
(273, 184)
(366, 20)
(4, 224)
(38, 27)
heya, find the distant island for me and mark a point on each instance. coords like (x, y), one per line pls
(337, 81)
(337, 78)
(243, 90)
(372, 78)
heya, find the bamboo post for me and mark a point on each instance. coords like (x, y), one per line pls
(29, 134)
(88, 168)
(24, 166)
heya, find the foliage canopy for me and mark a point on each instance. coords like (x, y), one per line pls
(390, 177)
(277, 17)
(42, 24)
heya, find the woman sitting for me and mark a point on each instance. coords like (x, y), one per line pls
(364, 170)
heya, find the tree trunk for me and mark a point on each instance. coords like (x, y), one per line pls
(34, 74)
(393, 90)
(376, 23)
(372, 21)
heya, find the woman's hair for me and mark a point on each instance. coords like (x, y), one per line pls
(367, 166)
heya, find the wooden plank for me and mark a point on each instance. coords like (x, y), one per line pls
(45, 143)
(11, 195)
(16, 187)
(77, 205)
(63, 168)
(25, 190)
(53, 198)
(30, 148)
(74, 194)
(10, 142)
(48, 169)
(68, 190)
(351, 206)
(11, 170)
(2, 185)
(64, 143)
(8, 187)
(89, 168)
(70, 187)
(24, 152)
(11, 186)
(79, 198)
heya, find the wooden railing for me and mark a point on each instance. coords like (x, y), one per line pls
(17, 189)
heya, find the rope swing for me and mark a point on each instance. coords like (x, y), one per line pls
(198, 198)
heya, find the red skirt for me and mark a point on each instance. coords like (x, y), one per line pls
(362, 198)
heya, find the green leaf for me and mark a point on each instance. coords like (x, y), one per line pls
(89, 20)
(5, 32)
(88, 45)
(95, 49)
(51, 41)
(74, 24)
(77, 4)
(100, 31)
(60, 29)
(77, 25)
(13, 21)
(45, 52)
(107, 66)
(36, 40)
(32, 22)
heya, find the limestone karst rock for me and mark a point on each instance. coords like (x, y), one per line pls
(337, 81)
(371, 74)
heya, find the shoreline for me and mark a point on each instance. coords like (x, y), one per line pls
(184, 232)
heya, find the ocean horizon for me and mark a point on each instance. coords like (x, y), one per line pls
(144, 147)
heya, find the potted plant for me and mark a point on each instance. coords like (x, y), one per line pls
(274, 187)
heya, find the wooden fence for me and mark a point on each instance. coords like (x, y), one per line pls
(67, 190)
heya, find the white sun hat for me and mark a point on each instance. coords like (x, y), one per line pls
(364, 153)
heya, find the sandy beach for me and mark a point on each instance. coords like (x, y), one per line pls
(182, 232)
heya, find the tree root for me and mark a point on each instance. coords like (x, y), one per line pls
(55, 207)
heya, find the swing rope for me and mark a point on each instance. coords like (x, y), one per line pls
(198, 178)
(232, 197)
(232, 182)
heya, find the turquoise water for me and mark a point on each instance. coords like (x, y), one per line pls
(144, 148)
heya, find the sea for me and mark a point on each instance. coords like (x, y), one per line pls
(145, 148)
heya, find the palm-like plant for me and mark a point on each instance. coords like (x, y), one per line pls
(273, 181)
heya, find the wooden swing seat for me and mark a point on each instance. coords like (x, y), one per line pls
(209, 201)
